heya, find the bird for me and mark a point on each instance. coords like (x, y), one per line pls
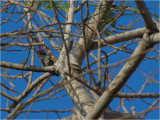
(44, 58)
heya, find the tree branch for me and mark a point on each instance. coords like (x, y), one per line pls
(138, 95)
(29, 67)
(149, 23)
(121, 78)
(8, 96)
(20, 44)
(30, 88)
(138, 33)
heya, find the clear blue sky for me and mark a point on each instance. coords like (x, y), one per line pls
(136, 80)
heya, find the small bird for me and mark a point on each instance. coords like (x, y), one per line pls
(44, 58)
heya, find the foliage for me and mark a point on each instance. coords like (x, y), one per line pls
(48, 5)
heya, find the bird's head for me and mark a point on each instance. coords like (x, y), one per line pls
(41, 52)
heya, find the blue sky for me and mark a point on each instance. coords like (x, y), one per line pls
(135, 81)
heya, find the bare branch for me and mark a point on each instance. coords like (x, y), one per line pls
(28, 67)
(138, 95)
(8, 96)
(120, 37)
(120, 79)
(20, 44)
(150, 25)
(150, 108)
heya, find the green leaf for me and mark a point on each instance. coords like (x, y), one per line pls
(27, 3)
(59, 4)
